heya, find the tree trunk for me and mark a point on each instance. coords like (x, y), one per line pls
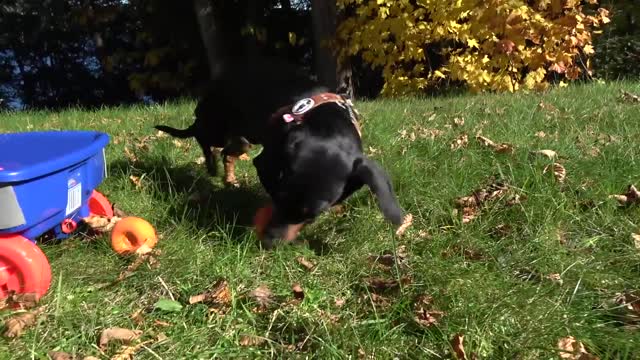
(336, 77)
(209, 34)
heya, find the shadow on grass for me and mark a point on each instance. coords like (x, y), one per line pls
(191, 195)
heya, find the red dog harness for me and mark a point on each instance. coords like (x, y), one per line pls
(296, 112)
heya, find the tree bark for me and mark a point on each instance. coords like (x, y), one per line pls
(335, 76)
(209, 34)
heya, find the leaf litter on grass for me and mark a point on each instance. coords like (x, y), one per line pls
(424, 312)
(117, 334)
(631, 197)
(571, 349)
(17, 324)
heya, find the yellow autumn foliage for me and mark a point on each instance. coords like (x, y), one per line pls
(499, 45)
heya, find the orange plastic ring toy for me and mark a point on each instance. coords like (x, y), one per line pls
(130, 233)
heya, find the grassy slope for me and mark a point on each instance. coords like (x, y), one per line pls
(471, 274)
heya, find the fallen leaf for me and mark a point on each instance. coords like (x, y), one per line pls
(548, 153)
(559, 172)
(59, 355)
(389, 259)
(458, 121)
(15, 325)
(305, 263)
(119, 334)
(262, 295)
(339, 302)
(540, 134)
(177, 143)
(460, 142)
(594, 151)
(160, 134)
(161, 323)
(130, 155)
(381, 285)
(458, 346)
(548, 107)
(372, 151)
(406, 222)
(479, 197)
(501, 148)
(298, 293)
(636, 240)
(20, 301)
(101, 224)
(201, 160)
(127, 353)
(423, 311)
(118, 212)
(629, 97)
(244, 157)
(168, 305)
(251, 340)
(161, 337)
(90, 358)
(469, 214)
(631, 197)
(136, 181)
(555, 278)
(219, 294)
(572, 349)
(137, 317)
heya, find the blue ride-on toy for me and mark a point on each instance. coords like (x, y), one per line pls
(47, 185)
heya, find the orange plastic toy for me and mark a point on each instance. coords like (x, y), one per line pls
(23, 267)
(130, 233)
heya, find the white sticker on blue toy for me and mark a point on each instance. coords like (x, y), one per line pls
(74, 196)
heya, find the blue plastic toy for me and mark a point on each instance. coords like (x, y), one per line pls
(47, 185)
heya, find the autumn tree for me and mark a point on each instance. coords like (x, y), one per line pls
(488, 45)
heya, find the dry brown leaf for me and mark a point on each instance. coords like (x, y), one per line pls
(458, 121)
(457, 343)
(630, 301)
(339, 302)
(118, 334)
(627, 96)
(160, 134)
(632, 196)
(118, 212)
(594, 152)
(424, 314)
(130, 155)
(15, 325)
(555, 278)
(251, 340)
(298, 293)
(220, 295)
(381, 285)
(460, 142)
(572, 349)
(469, 214)
(540, 134)
(128, 352)
(262, 295)
(244, 157)
(548, 107)
(559, 172)
(136, 181)
(90, 358)
(636, 240)
(21, 301)
(305, 263)
(479, 197)
(137, 317)
(101, 224)
(177, 143)
(389, 259)
(161, 323)
(485, 141)
(406, 222)
(201, 160)
(59, 355)
(546, 152)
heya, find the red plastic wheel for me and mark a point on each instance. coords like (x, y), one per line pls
(99, 205)
(24, 268)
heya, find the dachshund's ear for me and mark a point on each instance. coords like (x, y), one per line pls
(378, 181)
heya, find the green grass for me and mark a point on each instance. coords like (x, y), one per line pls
(474, 274)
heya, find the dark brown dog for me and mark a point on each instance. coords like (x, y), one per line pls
(234, 113)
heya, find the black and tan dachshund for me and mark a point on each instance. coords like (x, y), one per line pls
(312, 160)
